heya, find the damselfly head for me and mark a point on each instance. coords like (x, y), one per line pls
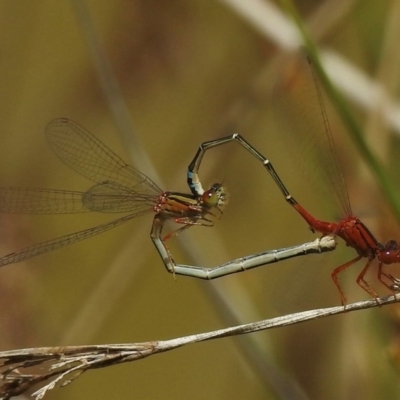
(216, 196)
(388, 253)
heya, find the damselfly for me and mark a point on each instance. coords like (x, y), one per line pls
(120, 188)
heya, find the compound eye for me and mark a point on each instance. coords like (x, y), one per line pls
(214, 197)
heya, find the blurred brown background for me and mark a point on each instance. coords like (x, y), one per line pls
(153, 80)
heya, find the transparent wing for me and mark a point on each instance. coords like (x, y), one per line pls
(62, 241)
(41, 201)
(85, 154)
(110, 197)
(107, 198)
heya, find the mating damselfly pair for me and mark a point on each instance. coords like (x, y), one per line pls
(120, 188)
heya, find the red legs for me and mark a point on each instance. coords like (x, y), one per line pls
(335, 277)
(194, 221)
(362, 282)
(393, 286)
(176, 232)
